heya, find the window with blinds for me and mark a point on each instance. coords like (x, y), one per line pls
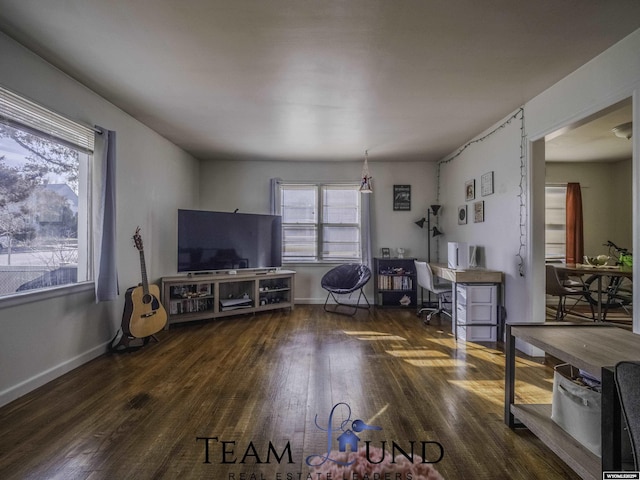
(320, 222)
(44, 191)
(555, 223)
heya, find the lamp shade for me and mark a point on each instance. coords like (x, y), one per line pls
(421, 222)
(436, 232)
(435, 208)
(623, 131)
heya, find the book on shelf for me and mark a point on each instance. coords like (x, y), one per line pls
(395, 282)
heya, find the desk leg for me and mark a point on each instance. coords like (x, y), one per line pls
(509, 378)
(454, 310)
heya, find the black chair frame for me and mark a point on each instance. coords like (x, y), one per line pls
(342, 304)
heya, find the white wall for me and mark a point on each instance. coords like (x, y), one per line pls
(609, 78)
(622, 209)
(605, 80)
(499, 234)
(226, 185)
(43, 339)
(606, 200)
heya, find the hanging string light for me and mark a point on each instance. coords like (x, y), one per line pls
(365, 182)
(522, 195)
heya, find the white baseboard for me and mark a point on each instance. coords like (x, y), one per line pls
(309, 301)
(529, 349)
(16, 391)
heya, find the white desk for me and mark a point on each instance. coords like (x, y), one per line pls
(472, 277)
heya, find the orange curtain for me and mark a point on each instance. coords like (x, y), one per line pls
(574, 237)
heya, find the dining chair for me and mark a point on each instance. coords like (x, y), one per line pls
(425, 278)
(556, 288)
(627, 379)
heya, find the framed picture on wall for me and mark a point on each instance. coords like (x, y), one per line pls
(470, 190)
(462, 214)
(402, 197)
(486, 184)
(385, 252)
(478, 212)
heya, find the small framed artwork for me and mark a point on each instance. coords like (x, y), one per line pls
(486, 184)
(402, 197)
(478, 212)
(462, 215)
(470, 190)
(385, 252)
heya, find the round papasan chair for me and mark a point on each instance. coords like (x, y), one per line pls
(346, 279)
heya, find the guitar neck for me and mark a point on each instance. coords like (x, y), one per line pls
(143, 269)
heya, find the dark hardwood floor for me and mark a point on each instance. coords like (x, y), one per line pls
(259, 381)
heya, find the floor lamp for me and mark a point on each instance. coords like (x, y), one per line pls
(431, 232)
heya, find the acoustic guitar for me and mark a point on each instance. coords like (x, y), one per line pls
(143, 314)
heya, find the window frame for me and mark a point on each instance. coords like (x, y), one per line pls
(320, 224)
(19, 112)
(561, 191)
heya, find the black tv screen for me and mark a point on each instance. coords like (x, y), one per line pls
(210, 241)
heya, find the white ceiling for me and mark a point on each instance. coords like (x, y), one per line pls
(319, 79)
(592, 140)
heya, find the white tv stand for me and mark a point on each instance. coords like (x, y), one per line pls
(191, 297)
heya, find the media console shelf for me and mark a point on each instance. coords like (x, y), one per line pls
(193, 297)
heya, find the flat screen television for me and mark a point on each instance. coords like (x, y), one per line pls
(209, 241)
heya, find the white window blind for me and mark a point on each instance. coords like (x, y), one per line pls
(555, 223)
(340, 222)
(320, 222)
(21, 113)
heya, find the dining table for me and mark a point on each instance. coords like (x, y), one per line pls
(582, 269)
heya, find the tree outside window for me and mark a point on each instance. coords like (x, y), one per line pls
(40, 186)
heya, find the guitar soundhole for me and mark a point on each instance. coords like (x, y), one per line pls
(147, 299)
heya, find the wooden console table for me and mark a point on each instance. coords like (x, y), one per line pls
(471, 276)
(593, 347)
(221, 294)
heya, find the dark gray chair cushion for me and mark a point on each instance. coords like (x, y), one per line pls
(346, 278)
(627, 375)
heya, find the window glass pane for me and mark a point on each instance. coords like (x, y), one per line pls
(308, 236)
(555, 223)
(42, 195)
(340, 205)
(299, 243)
(340, 242)
(555, 217)
(299, 205)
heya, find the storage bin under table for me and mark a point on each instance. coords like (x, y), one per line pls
(576, 408)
